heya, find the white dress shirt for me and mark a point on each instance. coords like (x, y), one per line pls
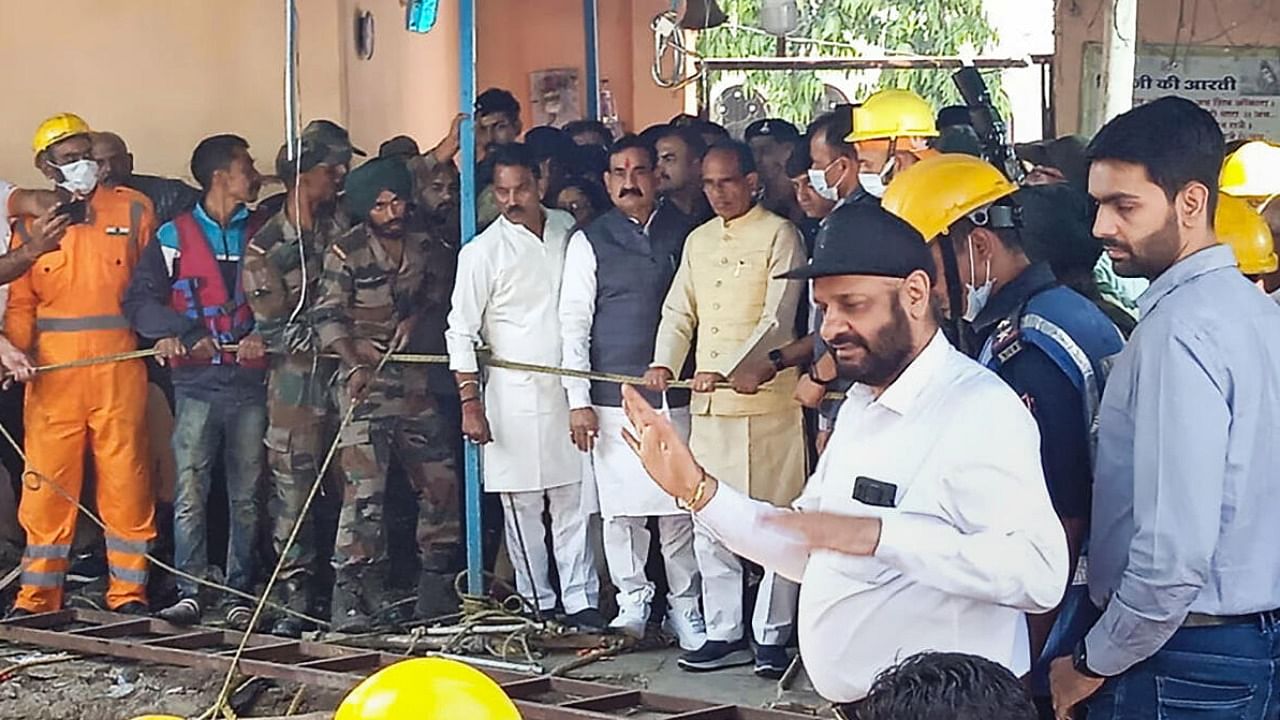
(972, 543)
(577, 315)
(506, 296)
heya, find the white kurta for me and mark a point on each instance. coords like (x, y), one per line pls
(505, 297)
(625, 489)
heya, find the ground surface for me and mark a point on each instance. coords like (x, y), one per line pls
(106, 689)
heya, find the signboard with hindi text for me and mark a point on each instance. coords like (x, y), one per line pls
(1239, 85)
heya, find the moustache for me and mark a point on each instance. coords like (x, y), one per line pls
(848, 340)
(627, 192)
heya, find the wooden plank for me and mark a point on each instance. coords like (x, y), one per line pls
(189, 641)
(115, 629)
(42, 621)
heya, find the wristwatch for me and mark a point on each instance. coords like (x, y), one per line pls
(775, 359)
(1080, 661)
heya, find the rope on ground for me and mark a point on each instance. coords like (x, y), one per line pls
(32, 478)
(220, 704)
(16, 668)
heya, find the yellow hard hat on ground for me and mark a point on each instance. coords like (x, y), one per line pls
(56, 129)
(892, 114)
(427, 689)
(937, 191)
(1252, 171)
(1240, 226)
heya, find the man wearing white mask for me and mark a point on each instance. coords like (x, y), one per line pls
(891, 132)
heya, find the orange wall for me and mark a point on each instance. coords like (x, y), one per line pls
(515, 39)
(1213, 22)
(163, 74)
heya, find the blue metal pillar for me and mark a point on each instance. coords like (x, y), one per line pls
(591, 36)
(467, 103)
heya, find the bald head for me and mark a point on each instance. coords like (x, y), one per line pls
(113, 156)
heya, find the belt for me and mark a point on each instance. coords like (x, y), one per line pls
(88, 322)
(1201, 620)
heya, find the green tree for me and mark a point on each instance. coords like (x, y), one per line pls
(841, 28)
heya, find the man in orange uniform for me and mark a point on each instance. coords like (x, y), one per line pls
(67, 307)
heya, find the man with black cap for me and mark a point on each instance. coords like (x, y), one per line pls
(375, 286)
(282, 266)
(921, 529)
(771, 142)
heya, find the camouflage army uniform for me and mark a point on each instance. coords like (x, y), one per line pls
(363, 295)
(299, 407)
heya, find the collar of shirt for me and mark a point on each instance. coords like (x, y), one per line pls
(1038, 276)
(750, 217)
(644, 226)
(548, 220)
(219, 237)
(1184, 271)
(902, 392)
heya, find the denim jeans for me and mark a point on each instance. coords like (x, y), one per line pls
(1227, 672)
(200, 426)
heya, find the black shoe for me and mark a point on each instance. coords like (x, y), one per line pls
(771, 661)
(348, 613)
(589, 620)
(716, 655)
(436, 597)
(136, 608)
(18, 613)
(184, 612)
(86, 568)
(238, 616)
(290, 627)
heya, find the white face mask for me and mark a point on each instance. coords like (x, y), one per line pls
(977, 296)
(818, 179)
(875, 183)
(79, 177)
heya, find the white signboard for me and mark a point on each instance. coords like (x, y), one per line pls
(1239, 85)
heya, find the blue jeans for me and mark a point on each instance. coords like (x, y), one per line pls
(1228, 672)
(199, 427)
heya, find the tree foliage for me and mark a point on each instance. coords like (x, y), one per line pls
(853, 28)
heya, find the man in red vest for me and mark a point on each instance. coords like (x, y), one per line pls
(186, 295)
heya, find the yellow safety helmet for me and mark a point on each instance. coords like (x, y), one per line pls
(1252, 171)
(1240, 226)
(56, 129)
(937, 191)
(427, 689)
(892, 114)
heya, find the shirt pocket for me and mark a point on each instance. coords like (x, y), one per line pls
(51, 274)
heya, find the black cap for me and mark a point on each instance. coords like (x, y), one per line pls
(775, 128)
(864, 239)
(399, 146)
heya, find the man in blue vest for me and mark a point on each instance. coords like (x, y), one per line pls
(186, 295)
(617, 273)
(1048, 342)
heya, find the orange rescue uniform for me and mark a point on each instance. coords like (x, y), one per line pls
(67, 307)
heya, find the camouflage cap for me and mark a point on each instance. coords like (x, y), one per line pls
(332, 134)
(311, 152)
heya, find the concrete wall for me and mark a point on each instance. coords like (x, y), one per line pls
(162, 73)
(1213, 22)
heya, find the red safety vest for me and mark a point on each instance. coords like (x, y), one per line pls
(200, 293)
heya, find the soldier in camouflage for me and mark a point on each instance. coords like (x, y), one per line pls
(375, 286)
(282, 271)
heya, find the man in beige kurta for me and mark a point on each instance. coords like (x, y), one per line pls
(726, 301)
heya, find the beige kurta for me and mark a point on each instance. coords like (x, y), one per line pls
(725, 296)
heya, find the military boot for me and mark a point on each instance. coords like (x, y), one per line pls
(293, 595)
(436, 596)
(349, 612)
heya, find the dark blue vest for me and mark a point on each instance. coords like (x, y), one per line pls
(633, 274)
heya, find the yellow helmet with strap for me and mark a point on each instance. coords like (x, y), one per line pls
(56, 129)
(1240, 226)
(1252, 171)
(427, 689)
(892, 114)
(937, 191)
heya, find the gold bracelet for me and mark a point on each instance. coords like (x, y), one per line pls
(698, 492)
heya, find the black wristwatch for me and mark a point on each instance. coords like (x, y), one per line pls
(1080, 661)
(775, 359)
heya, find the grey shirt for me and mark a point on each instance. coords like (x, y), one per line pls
(1188, 464)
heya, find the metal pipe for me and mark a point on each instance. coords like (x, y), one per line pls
(291, 76)
(591, 36)
(906, 62)
(466, 103)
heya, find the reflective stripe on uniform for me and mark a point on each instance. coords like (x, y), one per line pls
(133, 547)
(138, 577)
(87, 322)
(31, 578)
(47, 552)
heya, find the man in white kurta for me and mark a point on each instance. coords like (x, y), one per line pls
(505, 298)
(617, 272)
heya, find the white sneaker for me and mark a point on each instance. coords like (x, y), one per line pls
(631, 620)
(688, 627)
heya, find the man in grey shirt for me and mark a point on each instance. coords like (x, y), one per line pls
(1184, 556)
